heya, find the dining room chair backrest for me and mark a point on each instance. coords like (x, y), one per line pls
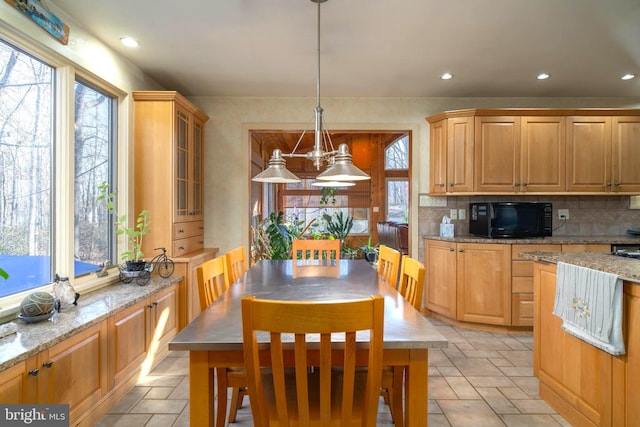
(315, 251)
(389, 264)
(299, 395)
(212, 280)
(411, 281)
(236, 264)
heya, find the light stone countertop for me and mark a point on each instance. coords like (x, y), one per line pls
(553, 240)
(627, 268)
(92, 309)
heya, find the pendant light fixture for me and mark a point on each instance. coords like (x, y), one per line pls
(340, 163)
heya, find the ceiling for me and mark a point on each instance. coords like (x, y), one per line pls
(376, 48)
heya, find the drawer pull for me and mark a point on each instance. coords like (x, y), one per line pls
(181, 231)
(181, 248)
(47, 364)
(149, 305)
(34, 372)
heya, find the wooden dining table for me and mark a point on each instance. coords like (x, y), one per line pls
(214, 338)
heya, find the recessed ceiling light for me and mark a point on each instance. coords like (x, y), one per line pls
(446, 76)
(129, 42)
(628, 76)
(543, 76)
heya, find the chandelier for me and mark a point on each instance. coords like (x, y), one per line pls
(340, 170)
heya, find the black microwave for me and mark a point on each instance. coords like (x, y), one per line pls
(510, 219)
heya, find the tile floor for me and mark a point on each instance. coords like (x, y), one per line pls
(481, 380)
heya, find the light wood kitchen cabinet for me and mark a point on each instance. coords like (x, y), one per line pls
(586, 248)
(589, 154)
(168, 171)
(74, 372)
(522, 282)
(440, 262)
(603, 153)
(541, 151)
(625, 173)
(542, 154)
(483, 276)
(452, 142)
(19, 383)
(586, 385)
(161, 322)
(497, 154)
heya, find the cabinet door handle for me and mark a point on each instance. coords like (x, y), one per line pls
(155, 303)
(47, 364)
(517, 184)
(460, 250)
(617, 184)
(34, 372)
(181, 231)
(450, 249)
(525, 184)
(608, 184)
(149, 305)
(441, 185)
(181, 248)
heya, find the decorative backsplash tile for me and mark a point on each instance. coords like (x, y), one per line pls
(588, 215)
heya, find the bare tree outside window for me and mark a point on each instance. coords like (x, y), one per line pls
(94, 146)
(26, 148)
(397, 187)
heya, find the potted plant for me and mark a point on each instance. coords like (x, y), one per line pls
(339, 226)
(133, 255)
(370, 252)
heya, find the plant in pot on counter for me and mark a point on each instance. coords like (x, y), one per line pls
(135, 266)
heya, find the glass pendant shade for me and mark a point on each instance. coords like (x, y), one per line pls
(277, 172)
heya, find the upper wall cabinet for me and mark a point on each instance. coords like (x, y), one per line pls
(168, 170)
(535, 151)
(452, 155)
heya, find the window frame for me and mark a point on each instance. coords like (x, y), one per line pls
(397, 175)
(62, 253)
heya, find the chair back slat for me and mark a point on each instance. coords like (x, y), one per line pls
(389, 264)
(322, 394)
(212, 280)
(236, 264)
(315, 251)
(411, 281)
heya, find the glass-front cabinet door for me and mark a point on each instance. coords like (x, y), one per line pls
(196, 190)
(182, 166)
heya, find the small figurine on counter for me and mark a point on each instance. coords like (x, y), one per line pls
(64, 293)
(103, 269)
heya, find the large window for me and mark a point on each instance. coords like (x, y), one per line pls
(26, 175)
(396, 165)
(305, 204)
(47, 178)
(93, 153)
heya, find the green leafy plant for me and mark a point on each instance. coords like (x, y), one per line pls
(339, 225)
(3, 273)
(134, 234)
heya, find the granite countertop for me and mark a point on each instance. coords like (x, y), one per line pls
(92, 308)
(553, 240)
(627, 268)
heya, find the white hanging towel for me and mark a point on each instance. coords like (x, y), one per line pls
(589, 302)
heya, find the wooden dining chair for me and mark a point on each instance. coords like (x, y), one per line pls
(289, 393)
(389, 264)
(236, 264)
(410, 284)
(315, 251)
(212, 282)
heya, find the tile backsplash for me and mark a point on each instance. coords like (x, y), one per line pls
(588, 215)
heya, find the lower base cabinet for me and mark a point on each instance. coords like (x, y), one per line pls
(587, 386)
(91, 370)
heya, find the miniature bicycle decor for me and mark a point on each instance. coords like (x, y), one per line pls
(163, 264)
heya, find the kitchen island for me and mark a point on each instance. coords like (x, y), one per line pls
(586, 385)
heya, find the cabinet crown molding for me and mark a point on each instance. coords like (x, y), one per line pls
(534, 112)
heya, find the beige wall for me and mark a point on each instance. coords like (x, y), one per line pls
(227, 145)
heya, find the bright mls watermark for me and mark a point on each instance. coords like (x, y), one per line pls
(34, 415)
